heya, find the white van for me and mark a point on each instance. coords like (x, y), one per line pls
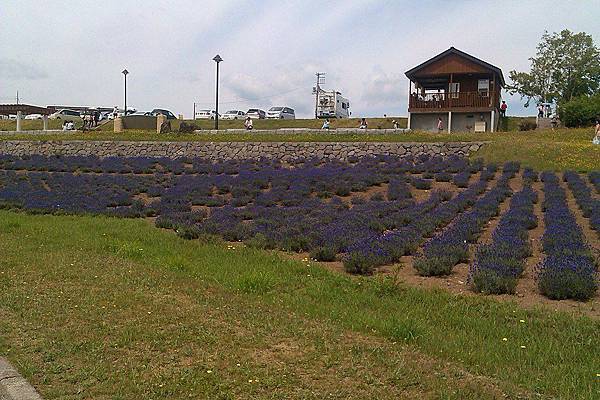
(206, 114)
(281, 113)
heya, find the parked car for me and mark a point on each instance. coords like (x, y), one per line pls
(234, 114)
(164, 112)
(64, 114)
(256, 113)
(206, 114)
(281, 113)
(33, 116)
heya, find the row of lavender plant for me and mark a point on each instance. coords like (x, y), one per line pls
(594, 177)
(583, 196)
(499, 264)
(451, 246)
(568, 270)
(388, 247)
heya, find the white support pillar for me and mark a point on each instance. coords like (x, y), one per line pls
(408, 123)
(19, 117)
(449, 121)
(45, 120)
(493, 125)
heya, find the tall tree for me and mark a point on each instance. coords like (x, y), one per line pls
(566, 65)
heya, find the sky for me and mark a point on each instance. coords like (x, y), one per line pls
(73, 52)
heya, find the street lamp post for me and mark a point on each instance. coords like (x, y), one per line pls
(125, 72)
(217, 59)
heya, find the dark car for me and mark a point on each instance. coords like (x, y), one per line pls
(164, 112)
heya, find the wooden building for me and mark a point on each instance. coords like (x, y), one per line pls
(461, 90)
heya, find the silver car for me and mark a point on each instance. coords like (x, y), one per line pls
(281, 113)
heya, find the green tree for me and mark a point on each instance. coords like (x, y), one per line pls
(565, 66)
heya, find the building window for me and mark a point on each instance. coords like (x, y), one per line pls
(454, 89)
(483, 87)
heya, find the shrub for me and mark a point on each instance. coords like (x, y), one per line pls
(357, 263)
(581, 111)
(422, 184)
(491, 282)
(259, 241)
(186, 127)
(527, 125)
(323, 253)
(189, 232)
(443, 177)
(434, 266)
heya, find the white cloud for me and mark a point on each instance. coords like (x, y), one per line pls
(73, 51)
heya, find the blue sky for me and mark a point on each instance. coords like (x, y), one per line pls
(72, 52)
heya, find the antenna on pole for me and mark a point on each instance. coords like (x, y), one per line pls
(317, 90)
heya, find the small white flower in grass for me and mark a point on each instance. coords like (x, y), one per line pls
(522, 321)
(239, 365)
(505, 339)
(209, 371)
(249, 380)
(522, 347)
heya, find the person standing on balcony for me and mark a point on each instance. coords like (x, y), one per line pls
(440, 125)
(503, 108)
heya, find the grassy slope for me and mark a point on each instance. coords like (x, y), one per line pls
(556, 150)
(93, 307)
(374, 123)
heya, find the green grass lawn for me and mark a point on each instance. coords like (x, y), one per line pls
(95, 307)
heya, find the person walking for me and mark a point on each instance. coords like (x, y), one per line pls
(115, 112)
(440, 125)
(540, 111)
(596, 139)
(326, 124)
(363, 123)
(503, 108)
(248, 124)
(395, 124)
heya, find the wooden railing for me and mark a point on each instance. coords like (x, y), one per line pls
(451, 100)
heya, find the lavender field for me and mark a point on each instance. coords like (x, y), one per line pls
(364, 214)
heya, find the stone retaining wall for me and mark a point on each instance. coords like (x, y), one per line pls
(234, 150)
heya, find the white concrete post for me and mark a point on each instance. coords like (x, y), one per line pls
(492, 128)
(45, 120)
(449, 121)
(19, 117)
(408, 123)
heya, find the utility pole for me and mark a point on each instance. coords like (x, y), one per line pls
(17, 97)
(194, 111)
(317, 89)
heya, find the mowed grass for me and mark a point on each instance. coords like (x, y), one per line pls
(96, 307)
